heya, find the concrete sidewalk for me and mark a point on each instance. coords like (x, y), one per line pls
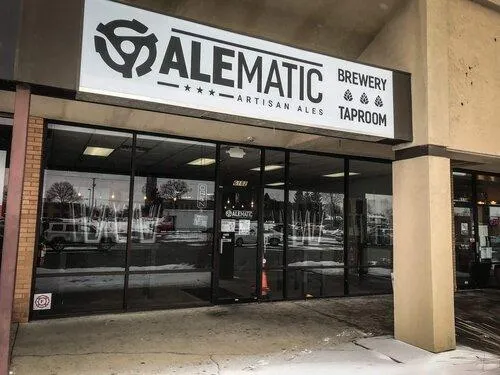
(221, 340)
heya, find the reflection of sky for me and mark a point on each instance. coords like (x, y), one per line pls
(109, 185)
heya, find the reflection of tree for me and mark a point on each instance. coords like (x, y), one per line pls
(62, 192)
(157, 197)
(173, 189)
(273, 209)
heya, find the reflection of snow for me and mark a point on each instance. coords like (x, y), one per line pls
(373, 271)
(378, 271)
(65, 284)
(165, 267)
(312, 263)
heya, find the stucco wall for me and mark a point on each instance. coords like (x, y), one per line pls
(399, 46)
(474, 69)
(414, 41)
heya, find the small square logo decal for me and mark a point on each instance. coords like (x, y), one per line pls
(42, 301)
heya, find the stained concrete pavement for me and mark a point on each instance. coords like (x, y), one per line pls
(209, 339)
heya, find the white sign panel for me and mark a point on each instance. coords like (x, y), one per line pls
(243, 227)
(227, 225)
(137, 54)
(42, 301)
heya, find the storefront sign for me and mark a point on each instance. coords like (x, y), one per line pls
(239, 213)
(137, 54)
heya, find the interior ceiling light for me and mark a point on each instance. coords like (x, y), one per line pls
(462, 174)
(271, 167)
(339, 174)
(203, 162)
(98, 151)
(236, 152)
(276, 184)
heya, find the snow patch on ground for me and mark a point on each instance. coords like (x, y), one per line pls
(353, 359)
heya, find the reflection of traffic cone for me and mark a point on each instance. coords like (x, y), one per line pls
(265, 287)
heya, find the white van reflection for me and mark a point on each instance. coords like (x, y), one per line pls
(61, 235)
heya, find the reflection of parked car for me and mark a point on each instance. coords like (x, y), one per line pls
(59, 235)
(271, 237)
(165, 224)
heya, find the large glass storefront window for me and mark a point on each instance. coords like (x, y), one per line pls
(274, 224)
(315, 257)
(477, 229)
(172, 227)
(370, 227)
(84, 217)
(133, 221)
(5, 141)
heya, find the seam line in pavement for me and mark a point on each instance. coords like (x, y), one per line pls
(359, 328)
(367, 348)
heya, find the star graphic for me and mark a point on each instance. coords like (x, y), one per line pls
(212, 92)
(187, 87)
(200, 90)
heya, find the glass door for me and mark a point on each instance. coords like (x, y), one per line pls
(238, 247)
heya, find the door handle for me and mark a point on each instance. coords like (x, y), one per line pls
(221, 246)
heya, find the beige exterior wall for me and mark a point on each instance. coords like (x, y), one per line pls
(474, 66)
(414, 41)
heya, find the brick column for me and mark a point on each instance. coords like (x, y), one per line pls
(29, 221)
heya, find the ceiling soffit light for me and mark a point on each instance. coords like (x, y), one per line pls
(340, 174)
(270, 167)
(276, 184)
(202, 162)
(98, 151)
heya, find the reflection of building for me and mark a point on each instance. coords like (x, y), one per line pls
(368, 155)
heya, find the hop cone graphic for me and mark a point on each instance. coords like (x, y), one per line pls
(348, 96)
(364, 99)
(379, 102)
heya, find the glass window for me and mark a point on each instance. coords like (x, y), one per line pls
(462, 187)
(465, 249)
(485, 271)
(370, 227)
(274, 214)
(5, 141)
(238, 254)
(488, 189)
(316, 237)
(173, 221)
(84, 218)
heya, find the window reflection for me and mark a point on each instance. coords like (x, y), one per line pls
(315, 214)
(84, 217)
(172, 227)
(370, 227)
(5, 142)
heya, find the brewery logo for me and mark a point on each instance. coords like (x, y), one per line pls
(128, 47)
(42, 301)
(239, 214)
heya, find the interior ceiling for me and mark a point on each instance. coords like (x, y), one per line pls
(169, 158)
(342, 28)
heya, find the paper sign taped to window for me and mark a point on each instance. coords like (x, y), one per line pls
(244, 227)
(227, 225)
